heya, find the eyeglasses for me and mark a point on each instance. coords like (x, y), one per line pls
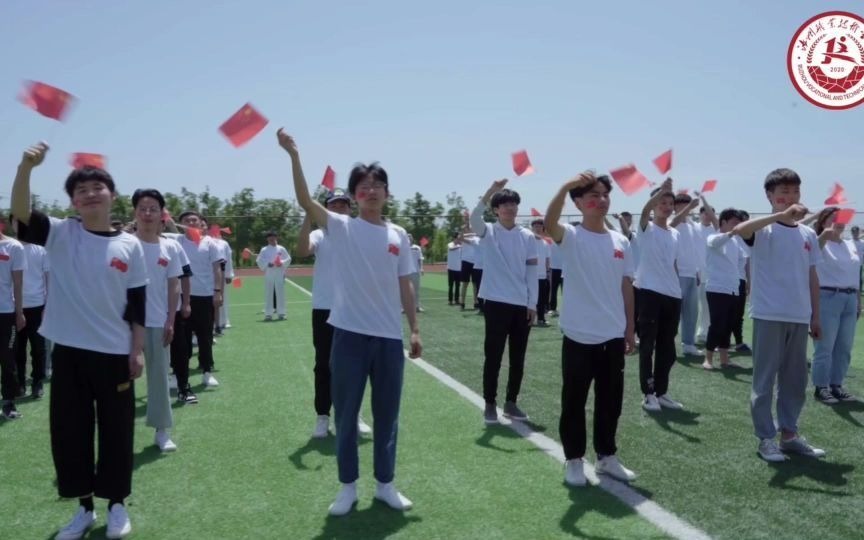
(150, 210)
(369, 186)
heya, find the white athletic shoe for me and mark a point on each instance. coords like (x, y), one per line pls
(693, 350)
(80, 524)
(669, 403)
(227, 325)
(162, 439)
(770, 452)
(610, 465)
(172, 382)
(574, 473)
(345, 500)
(799, 445)
(322, 427)
(650, 403)
(362, 427)
(388, 494)
(118, 522)
(210, 380)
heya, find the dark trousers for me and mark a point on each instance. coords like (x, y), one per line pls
(542, 299)
(322, 339)
(30, 334)
(723, 309)
(90, 389)
(200, 323)
(504, 322)
(557, 281)
(658, 325)
(454, 278)
(180, 351)
(8, 371)
(477, 279)
(740, 309)
(602, 363)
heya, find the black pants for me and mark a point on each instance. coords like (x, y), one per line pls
(636, 311)
(8, 372)
(724, 312)
(454, 278)
(542, 299)
(322, 339)
(89, 389)
(580, 364)
(30, 334)
(503, 322)
(557, 281)
(200, 323)
(658, 325)
(180, 352)
(740, 309)
(477, 279)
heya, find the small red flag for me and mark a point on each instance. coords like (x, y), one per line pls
(226, 230)
(844, 216)
(246, 254)
(243, 125)
(215, 231)
(709, 186)
(837, 197)
(162, 261)
(521, 163)
(535, 213)
(424, 242)
(629, 179)
(237, 283)
(194, 234)
(329, 180)
(81, 159)
(393, 248)
(618, 254)
(278, 261)
(663, 162)
(46, 99)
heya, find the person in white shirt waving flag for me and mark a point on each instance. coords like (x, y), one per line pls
(273, 259)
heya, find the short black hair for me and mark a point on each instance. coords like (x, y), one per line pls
(270, 233)
(855, 228)
(576, 223)
(744, 215)
(188, 213)
(626, 214)
(537, 222)
(656, 190)
(578, 192)
(88, 174)
(781, 177)
(683, 198)
(505, 196)
(361, 171)
(730, 213)
(149, 192)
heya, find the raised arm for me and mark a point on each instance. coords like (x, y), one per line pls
(712, 215)
(556, 205)
(665, 187)
(747, 229)
(303, 247)
(478, 226)
(20, 204)
(684, 214)
(301, 190)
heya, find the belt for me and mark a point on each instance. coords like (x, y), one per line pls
(848, 290)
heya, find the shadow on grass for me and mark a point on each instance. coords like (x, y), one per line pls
(820, 471)
(147, 455)
(844, 410)
(667, 419)
(377, 521)
(322, 447)
(497, 430)
(732, 374)
(584, 501)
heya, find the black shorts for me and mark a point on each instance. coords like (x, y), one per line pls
(467, 268)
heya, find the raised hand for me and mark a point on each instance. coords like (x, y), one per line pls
(287, 142)
(796, 212)
(35, 155)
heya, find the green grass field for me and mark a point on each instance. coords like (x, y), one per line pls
(246, 467)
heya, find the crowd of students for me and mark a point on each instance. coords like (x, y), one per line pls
(125, 296)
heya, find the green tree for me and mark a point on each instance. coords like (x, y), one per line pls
(419, 216)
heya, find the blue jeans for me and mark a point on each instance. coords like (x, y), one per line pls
(354, 358)
(689, 309)
(838, 313)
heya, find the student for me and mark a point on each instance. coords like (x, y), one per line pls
(708, 225)
(839, 272)
(688, 266)
(477, 276)
(721, 285)
(597, 322)
(659, 298)
(555, 280)
(859, 245)
(34, 290)
(509, 291)
(272, 260)
(468, 254)
(221, 316)
(454, 269)
(743, 291)
(317, 243)
(178, 349)
(417, 257)
(625, 224)
(543, 265)
(371, 262)
(785, 300)
(13, 263)
(94, 315)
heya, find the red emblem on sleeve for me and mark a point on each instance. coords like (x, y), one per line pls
(393, 248)
(119, 265)
(163, 261)
(807, 246)
(619, 254)
(4, 257)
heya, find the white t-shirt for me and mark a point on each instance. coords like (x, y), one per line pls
(454, 257)
(276, 255)
(593, 302)
(780, 262)
(704, 231)
(859, 245)
(840, 265)
(184, 263)
(723, 263)
(34, 275)
(658, 250)
(201, 258)
(417, 258)
(688, 252)
(12, 258)
(322, 278)
(745, 256)
(87, 299)
(544, 253)
(368, 261)
(478, 257)
(163, 262)
(508, 278)
(555, 256)
(469, 249)
(227, 256)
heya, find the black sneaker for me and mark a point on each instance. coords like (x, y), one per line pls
(37, 392)
(187, 396)
(10, 412)
(490, 414)
(841, 394)
(513, 412)
(824, 395)
(22, 391)
(743, 348)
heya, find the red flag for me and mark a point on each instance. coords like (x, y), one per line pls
(46, 99)
(246, 254)
(162, 261)
(663, 162)
(535, 213)
(709, 186)
(837, 197)
(393, 248)
(618, 254)
(226, 230)
(329, 180)
(237, 283)
(278, 261)
(119, 265)
(215, 231)
(80, 159)
(521, 163)
(194, 234)
(424, 242)
(243, 125)
(844, 216)
(629, 179)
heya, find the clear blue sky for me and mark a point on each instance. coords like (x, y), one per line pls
(440, 93)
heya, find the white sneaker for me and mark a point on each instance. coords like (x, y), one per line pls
(162, 439)
(770, 452)
(389, 495)
(345, 500)
(669, 403)
(79, 525)
(693, 350)
(574, 472)
(362, 427)
(118, 522)
(799, 445)
(172, 382)
(210, 380)
(227, 325)
(611, 466)
(650, 403)
(322, 427)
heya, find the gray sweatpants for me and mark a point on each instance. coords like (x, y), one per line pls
(156, 359)
(779, 352)
(415, 279)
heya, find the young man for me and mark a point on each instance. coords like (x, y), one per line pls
(417, 257)
(221, 317)
(659, 298)
(468, 254)
(597, 322)
(454, 269)
(35, 280)
(13, 263)
(509, 291)
(555, 280)
(859, 245)
(371, 264)
(688, 265)
(743, 291)
(272, 260)
(707, 226)
(95, 315)
(317, 243)
(785, 301)
(544, 255)
(477, 276)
